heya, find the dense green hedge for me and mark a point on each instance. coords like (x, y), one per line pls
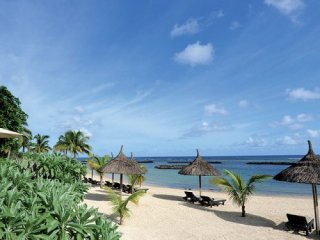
(40, 198)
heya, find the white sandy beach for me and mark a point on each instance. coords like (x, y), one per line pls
(162, 214)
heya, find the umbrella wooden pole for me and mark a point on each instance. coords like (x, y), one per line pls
(112, 179)
(121, 185)
(200, 185)
(92, 173)
(315, 205)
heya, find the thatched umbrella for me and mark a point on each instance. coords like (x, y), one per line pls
(4, 133)
(121, 165)
(199, 168)
(306, 170)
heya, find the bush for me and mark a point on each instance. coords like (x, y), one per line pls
(39, 204)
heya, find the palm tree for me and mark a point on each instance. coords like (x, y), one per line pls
(41, 144)
(134, 179)
(96, 163)
(237, 189)
(26, 139)
(120, 206)
(77, 142)
(62, 144)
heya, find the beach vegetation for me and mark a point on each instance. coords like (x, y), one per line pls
(97, 163)
(13, 118)
(41, 144)
(135, 179)
(238, 189)
(74, 142)
(48, 205)
(26, 140)
(120, 205)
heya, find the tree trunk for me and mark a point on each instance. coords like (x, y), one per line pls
(120, 223)
(23, 149)
(101, 177)
(243, 211)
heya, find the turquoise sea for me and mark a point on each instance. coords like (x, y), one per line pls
(171, 178)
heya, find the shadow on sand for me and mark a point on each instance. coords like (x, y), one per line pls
(282, 227)
(250, 219)
(168, 197)
(96, 197)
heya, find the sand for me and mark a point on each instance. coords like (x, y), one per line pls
(162, 214)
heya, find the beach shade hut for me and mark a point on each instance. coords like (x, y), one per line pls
(306, 170)
(199, 168)
(121, 165)
(4, 133)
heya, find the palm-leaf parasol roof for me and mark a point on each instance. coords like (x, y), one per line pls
(121, 165)
(4, 133)
(306, 170)
(136, 162)
(199, 167)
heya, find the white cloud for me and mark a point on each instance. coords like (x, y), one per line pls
(220, 14)
(303, 94)
(86, 132)
(313, 133)
(205, 128)
(195, 54)
(235, 25)
(189, 28)
(213, 108)
(287, 7)
(79, 109)
(287, 141)
(255, 141)
(293, 122)
(243, 103)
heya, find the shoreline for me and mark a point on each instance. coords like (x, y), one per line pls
(265, 193)
(162, 214)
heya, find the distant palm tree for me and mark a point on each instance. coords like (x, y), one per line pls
(25, 141)
(77, 142)
(62, 145)
(134, 179)
(41, 144)
(74, 142)
(120, 206)
(238, 190)
(96, 163)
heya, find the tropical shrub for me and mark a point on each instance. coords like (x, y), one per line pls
(119, 205)
(47, 205)
(238, 190)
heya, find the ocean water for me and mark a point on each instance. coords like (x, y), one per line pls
(171, 178)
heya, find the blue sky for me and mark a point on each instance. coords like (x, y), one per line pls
(167, 77)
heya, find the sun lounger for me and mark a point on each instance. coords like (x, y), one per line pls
(299, 223)
(209, 202)
(190, 197)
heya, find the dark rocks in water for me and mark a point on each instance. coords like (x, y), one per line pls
(146, 161)
(170, 166)
(217, 162)
(271, 163)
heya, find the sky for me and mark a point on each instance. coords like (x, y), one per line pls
(164, 78)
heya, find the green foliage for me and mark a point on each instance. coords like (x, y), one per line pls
(12, 117)
(96, 163)
(41, 144)
(238, 190)
(134, 179)
(74, 142)
(119, 205)
(25, 141)
(41, 208)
